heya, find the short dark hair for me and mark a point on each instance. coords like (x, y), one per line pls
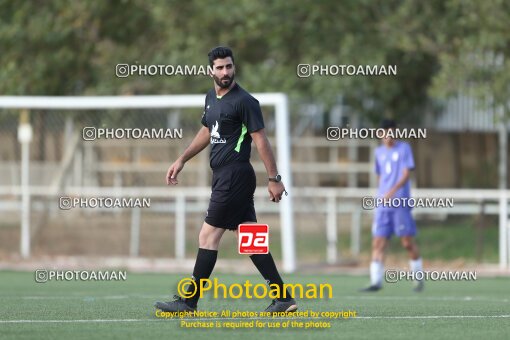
(388, 124)
(220, 52)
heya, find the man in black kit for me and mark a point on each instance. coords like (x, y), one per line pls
(231, 120)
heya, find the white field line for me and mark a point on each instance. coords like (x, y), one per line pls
(427, 298)
(349, 297)
(87, 297)
(419, 317)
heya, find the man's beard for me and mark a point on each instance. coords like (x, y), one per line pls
(224, 85)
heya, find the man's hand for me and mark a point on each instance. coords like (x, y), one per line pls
(403, 180)
(390, 193)
(276, 191)
(173, 171)
(198, 143)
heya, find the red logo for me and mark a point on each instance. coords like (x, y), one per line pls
(253, 239)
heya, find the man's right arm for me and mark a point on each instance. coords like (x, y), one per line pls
(198, 144)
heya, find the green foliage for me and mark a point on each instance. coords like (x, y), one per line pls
(439, 47)
(52, 47)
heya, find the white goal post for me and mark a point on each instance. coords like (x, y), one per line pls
(278, 100)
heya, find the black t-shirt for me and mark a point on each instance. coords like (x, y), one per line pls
(230, 120)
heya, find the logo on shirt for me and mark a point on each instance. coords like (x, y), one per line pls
(215, 135)
(214, 131)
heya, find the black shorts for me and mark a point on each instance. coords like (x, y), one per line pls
(231, 203)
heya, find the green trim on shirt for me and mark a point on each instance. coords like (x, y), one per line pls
(241, 138)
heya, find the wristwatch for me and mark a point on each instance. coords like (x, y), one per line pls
(275, 179)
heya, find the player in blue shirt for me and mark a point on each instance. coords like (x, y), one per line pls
(393, 164)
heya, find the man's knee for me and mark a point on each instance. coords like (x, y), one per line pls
(209, 237)
(378, 245)
(208, 241)
(407, 243)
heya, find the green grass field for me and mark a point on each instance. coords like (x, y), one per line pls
(99, 310)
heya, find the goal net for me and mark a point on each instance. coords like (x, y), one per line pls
(68, 150)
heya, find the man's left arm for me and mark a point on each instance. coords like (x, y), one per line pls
(275, 189)
(403, 179)
(408, 165)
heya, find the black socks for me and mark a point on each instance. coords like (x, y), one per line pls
(266, 266)
(204, 265)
